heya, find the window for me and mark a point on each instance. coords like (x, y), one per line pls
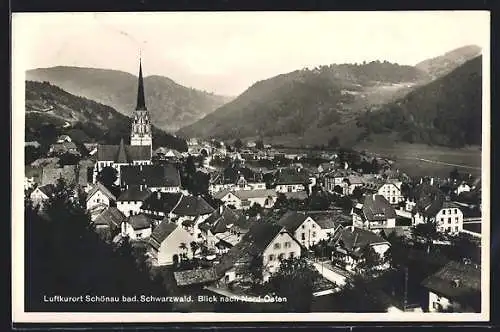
(281, 256)
(303, 226)
(289, 189)
(314, 226)
(456, 228)
(288, 244)
(271, 258)
(292, 254)
(442, 219)
(456, 219)
(455, 211)
(303, 236)
(449, 220)
(314, 234)
(277, 246)
(139, 235)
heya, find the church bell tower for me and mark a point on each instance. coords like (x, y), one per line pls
(141, 133)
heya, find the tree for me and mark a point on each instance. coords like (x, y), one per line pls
(427, 231)
(358, 296)
(107, 176)
(238, 144)
(295, 280)
(194, 247)
(254, 210)
(454, 174)
(357, 193)
(281, 202)
(68, 159)
(345, 203)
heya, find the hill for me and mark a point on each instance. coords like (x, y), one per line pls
(447, 62)
(171, 105)
(305, 105)
(445, 112)
(51, 111)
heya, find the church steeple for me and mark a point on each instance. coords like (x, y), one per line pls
(141, 102)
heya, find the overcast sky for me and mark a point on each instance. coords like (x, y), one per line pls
(225, 53)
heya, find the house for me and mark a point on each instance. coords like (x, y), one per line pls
(64, 138)
(34, 144)
(168, 243)
(265, 241)
(463, 187)
(244, 199)
(62, 148)
(117, 156)
(456, 287)
(110, 220)
(137, 227)
(160, 204)
(219, 221)
(305, 229)
(447, 216)
(99, 195)
(164, 178)
(291, 180)
(391, 190)
(189, 212)
(326, 167)
(129, 202)
(163, 153)
(335, 178)
(374, 213)
(41, 194)
(349, 244)
(350, 183)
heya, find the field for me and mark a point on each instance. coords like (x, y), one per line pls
(424, 160)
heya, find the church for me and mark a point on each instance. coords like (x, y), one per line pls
(139, 152)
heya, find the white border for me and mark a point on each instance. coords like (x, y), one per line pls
(19, 39)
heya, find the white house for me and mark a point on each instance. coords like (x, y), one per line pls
(268, 242)
(463, 187)
(130, 201)
(244, 199)
(456, 287)
(306, 230)
(291, 180)
(374, 213)
(99, 196)
(447, 216)
(168, 243)
(42, 194)
(137, 227)
(391, 190)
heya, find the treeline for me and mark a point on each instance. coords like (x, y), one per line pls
(97, 122)
(445, 112)
(65, 256)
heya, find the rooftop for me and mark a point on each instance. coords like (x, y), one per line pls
(150, 175)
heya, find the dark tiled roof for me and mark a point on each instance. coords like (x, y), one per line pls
(192, 277)
(150, 175)
(140, 221)
(161, 232)
(100, 187)
(125, 155)
(134, 193)
(217, 222)
(291, 220)
(298, 195)
(376, 207)
(353, 238)
(162, 202)
(253, 243)
(111, 217)
(51, 175)
(325, 222)
(48, 189)
(288, 176)
(246, 194)
(443, 282)
(192, 206)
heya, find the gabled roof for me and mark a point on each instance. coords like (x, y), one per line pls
(125, 155)
(47, 189)
(292, 220)
(377, 208)
(167, 151)
(192, 206)
(100, 187)
(140, 221)
(253, 243)
(51, 175)
(455, 281)
(161, 232)
(164, 202)
(289, 176)
(150, 175)
(217, 222)
(353, 238)
(111, 217)
(134, 193)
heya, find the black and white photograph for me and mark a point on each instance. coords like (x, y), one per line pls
(251, 166)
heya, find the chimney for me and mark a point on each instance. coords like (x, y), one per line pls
(421, 180)
(432, 181)
(221, 208)
(158, 195)
(140, 187)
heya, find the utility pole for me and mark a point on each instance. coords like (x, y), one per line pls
(405, 299)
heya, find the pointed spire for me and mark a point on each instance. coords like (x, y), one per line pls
(141, 102)
(122, 154)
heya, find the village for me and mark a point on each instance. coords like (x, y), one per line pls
(235, 219)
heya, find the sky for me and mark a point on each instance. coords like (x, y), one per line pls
(225, 53)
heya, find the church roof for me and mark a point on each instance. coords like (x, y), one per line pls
(123, 153)
(141, 101)
(150, 175)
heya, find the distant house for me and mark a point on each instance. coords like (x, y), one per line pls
(335, 178)
(189, 212)
(137, 227)
(99, 195)
(326, 167)
(168, 243)
(244, 199)
(447, 216)
(391, 190)
(62, 148)
(349, 244)
(64, 139)
(305, 229)
(129, 202)
(350, 183)
(456, 287)
(291, 180)
(34, 144)
(160, 204)
(163, 153)
(463, 187)
(68, 173)
(374, 213)
(266, 241)
(219, 221)
(110, 220)
(41, 194)
(164, 178)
